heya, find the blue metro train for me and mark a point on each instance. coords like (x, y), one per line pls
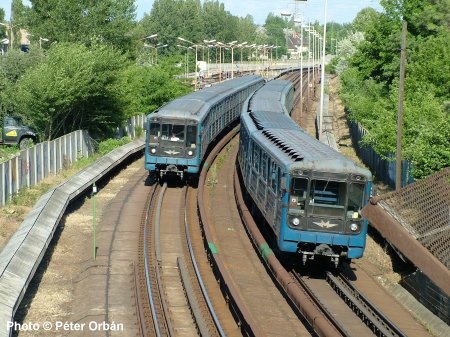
(309, 194)
(179, 133)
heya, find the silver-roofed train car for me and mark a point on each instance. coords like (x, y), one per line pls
(179, 133)
(310, 195)
(276, 96)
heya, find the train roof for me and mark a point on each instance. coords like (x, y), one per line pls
(285, 140)
(195, 105)
(269, 97)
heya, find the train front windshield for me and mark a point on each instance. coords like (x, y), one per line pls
(172, 134)
(338, 199)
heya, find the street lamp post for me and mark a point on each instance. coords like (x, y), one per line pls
(186, 60)
(231, 45)
(156, 50)
(196, 60)
(308, 29)
(220, 44)
(322, 84)
(149, 38)
(301, 69)
(250, 55)
(208, 45)
(241, 45)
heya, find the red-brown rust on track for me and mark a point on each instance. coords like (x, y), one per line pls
(312, 314)
(247, 321)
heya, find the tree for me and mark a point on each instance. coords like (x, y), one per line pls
(370, 83)
(346, 48)
(275, 26)
(72, 89)
(2, 28)
(141, 90)
(85, 21)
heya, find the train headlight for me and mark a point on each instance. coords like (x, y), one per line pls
(296, 221)
(153, 150)
(190, 153)
(354, 227)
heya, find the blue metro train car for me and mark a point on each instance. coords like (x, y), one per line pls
(276, 95)
(309, 194)
(179, 133)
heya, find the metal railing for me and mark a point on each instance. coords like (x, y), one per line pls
(382, 169)
(31, 166)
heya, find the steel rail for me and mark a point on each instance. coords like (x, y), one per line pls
(368, 312)
(157, 221)
(163, 302)
(198, 275)
(147, 273)
(319, 304)
(315, 317)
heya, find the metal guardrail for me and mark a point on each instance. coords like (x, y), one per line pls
(383, 169)
(23, 253)
(415, 220)
(33, 165)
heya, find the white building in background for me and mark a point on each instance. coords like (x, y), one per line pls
(294, 43)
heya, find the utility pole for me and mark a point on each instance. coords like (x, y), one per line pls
(398, 171)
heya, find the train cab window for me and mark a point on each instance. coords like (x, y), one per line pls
(327, 198)
(355, 200)
(299, 190)
(173, 133)
(155, 132)
(191, 136)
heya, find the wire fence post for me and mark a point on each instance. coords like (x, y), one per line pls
(94, 243)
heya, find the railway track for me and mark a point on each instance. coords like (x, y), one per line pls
(355, 314)
(332, 305)
(171, 265)
(374, 319)
(172, 298)
(303, 112)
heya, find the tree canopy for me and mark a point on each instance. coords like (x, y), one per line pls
(369, 78)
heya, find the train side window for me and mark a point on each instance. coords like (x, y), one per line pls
(279, 180)
(155, 132)
(273, 178)
(256, 157)
(355, 200)
(264, 165)
(191, 136)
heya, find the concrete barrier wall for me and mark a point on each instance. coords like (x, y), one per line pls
(24, 251)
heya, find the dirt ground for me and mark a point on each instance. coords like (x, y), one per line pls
(71, 250)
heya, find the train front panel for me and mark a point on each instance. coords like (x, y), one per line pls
(172, 147)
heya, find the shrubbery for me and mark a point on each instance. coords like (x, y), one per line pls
(369, 81)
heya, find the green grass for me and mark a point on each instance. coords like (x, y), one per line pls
(217, 165)
(8, 151)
